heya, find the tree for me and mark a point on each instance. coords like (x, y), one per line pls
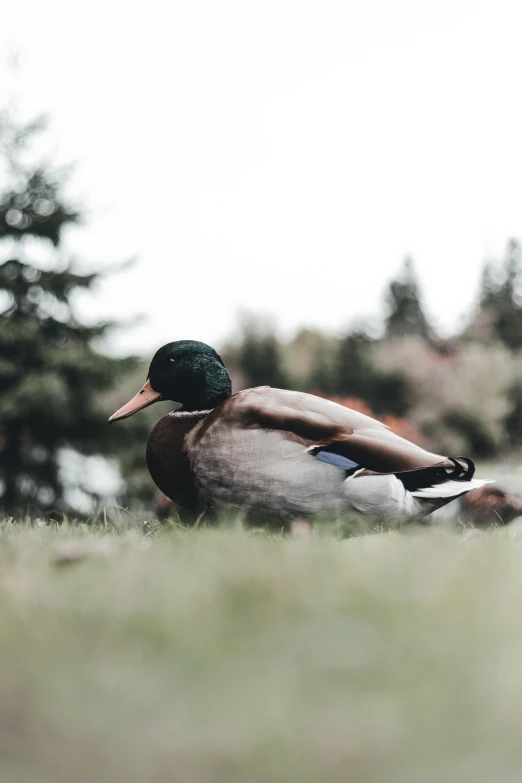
(487, 285)
(322, 375)
(500, 297)
(386, 391)
(51, 375)
(405, 313)
(259, 357)
(355, 369)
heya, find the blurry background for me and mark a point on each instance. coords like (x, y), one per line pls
(330, 199)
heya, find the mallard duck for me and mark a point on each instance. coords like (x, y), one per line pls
(282, 454)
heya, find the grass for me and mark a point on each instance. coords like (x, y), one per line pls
(219, 655)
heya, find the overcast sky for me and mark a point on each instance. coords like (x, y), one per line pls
(279, 156)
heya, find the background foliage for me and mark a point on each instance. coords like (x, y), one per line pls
(53, 372)
(458, 395)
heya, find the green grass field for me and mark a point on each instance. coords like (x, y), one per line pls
(224, 655)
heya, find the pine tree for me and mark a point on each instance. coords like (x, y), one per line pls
(385, 391)
(355, 369)
(322, 376)
(259, 358)
(51, 375)
(487, 286)
(405, 313)
(506, 302)
(500, 300)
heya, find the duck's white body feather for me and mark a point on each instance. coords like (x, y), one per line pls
(237, 468)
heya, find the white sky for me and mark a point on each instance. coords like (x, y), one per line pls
(279, 156)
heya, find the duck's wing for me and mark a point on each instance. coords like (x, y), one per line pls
(325, 425)
(342, 437)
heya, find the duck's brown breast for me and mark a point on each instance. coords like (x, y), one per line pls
(168, 461)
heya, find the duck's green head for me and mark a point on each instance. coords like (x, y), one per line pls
(187, 372)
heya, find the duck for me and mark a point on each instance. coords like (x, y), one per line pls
(280, 454)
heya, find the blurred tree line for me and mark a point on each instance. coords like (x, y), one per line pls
(458, 395)
(57, 384)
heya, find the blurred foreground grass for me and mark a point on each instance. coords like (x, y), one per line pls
(215, 655)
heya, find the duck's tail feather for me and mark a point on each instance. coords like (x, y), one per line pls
(462, 470)
(438, 482)
(450, 489)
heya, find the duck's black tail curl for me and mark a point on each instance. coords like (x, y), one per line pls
(463, 470)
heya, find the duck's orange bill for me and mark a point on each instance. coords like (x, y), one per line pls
(146, 396)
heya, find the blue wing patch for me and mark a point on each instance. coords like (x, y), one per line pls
(337, 460)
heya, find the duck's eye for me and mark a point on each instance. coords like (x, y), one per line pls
(172, 360)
